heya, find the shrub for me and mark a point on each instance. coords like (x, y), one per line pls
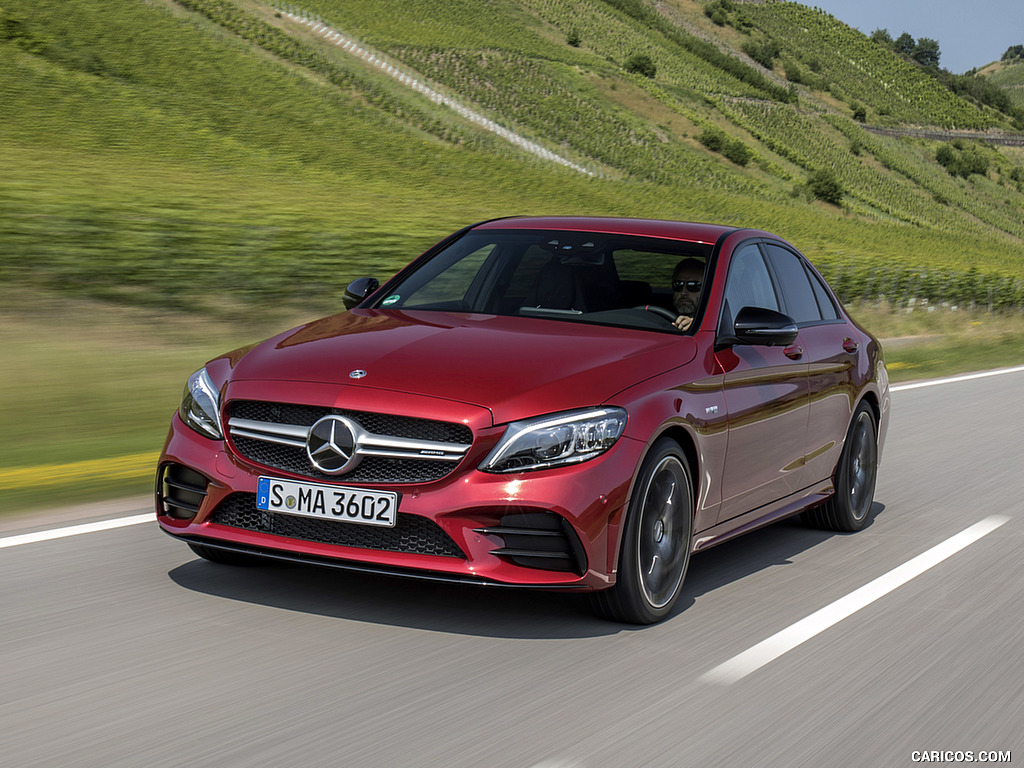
(736, 151)
(718, 11)
(825, 186)
(962, 159)
(574, 38)
(712, 138)
(641, 64)
(763, 51)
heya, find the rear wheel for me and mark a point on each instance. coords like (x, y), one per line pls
(657, 541)
(224, 556)
(848, 508)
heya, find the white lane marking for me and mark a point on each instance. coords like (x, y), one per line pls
(768, 650)
(954, 379)
(75, 530)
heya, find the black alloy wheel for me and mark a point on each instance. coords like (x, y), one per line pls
(657, 542)
(848, 509)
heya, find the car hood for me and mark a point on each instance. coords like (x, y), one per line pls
(514, 366)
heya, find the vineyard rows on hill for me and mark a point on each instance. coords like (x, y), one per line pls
(399, 74)
(1011, 78)
(803, 140)
(192, 157)
(534, 93)
(912, 159)
(615, 36)
(893, 88)
(531, 91)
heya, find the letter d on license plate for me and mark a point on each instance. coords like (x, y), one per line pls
(328, 502)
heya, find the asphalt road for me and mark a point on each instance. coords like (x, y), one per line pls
(120, 648)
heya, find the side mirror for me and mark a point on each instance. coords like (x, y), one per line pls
(764, 327)
(358, 290)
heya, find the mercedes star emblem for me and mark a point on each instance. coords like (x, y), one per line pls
(331, 445)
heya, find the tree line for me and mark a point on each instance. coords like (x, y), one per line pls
(926, 53)
(1013, 52)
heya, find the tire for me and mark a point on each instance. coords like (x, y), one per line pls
(225, 556)
(849, 508)
(656, 543)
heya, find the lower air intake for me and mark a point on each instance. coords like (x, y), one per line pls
(181, 491)
(412, 534)
(541, 540)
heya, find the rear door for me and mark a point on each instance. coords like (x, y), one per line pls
(830, 353)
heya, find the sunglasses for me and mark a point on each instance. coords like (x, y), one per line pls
(693, 286)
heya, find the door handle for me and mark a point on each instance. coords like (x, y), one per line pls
(850, 346)
(794, 352)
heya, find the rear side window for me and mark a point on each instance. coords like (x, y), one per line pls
(801, 303)
(825, 303)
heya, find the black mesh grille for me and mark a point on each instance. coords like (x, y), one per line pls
(412, 534)
(378, 423)
(371, 469)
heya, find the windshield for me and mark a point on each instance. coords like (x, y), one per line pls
(571, 276)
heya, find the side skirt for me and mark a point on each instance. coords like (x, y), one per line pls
(791, 505)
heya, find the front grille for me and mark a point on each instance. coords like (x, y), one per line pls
(380, 423)
(412, 534)
(372, 469)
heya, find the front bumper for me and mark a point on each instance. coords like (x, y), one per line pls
(476, 512)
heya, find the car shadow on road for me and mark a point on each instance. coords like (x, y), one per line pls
(768, 547)
(480, 611)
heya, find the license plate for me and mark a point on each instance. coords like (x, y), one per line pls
(328, 502)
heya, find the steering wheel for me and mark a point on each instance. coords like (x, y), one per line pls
(670, 316)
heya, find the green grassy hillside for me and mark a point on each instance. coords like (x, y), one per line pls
(1009, 76)
(215, 155)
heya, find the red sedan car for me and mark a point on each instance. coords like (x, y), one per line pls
(568, 403)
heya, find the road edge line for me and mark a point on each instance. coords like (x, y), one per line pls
(75, 530)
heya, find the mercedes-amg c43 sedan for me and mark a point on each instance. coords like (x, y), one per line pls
(560, 403)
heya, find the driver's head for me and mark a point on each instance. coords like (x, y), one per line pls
(687, 282)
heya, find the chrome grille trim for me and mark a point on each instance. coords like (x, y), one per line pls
(367, 443)
(282, 434)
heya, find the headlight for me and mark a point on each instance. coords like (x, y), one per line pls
(556, 440)
(200, 405)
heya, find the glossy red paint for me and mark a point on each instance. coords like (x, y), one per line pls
(477, 359)
(761, 428)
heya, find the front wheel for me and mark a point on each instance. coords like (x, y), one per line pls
(847, 510)
(657, 541)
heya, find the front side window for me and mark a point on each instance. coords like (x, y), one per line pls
(570, 276)
(749, 284)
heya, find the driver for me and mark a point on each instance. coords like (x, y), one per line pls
(687, 282)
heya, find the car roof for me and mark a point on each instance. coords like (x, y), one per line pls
(675, 230)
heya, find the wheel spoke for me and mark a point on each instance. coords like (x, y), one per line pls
(664, 532)
(861, 468)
